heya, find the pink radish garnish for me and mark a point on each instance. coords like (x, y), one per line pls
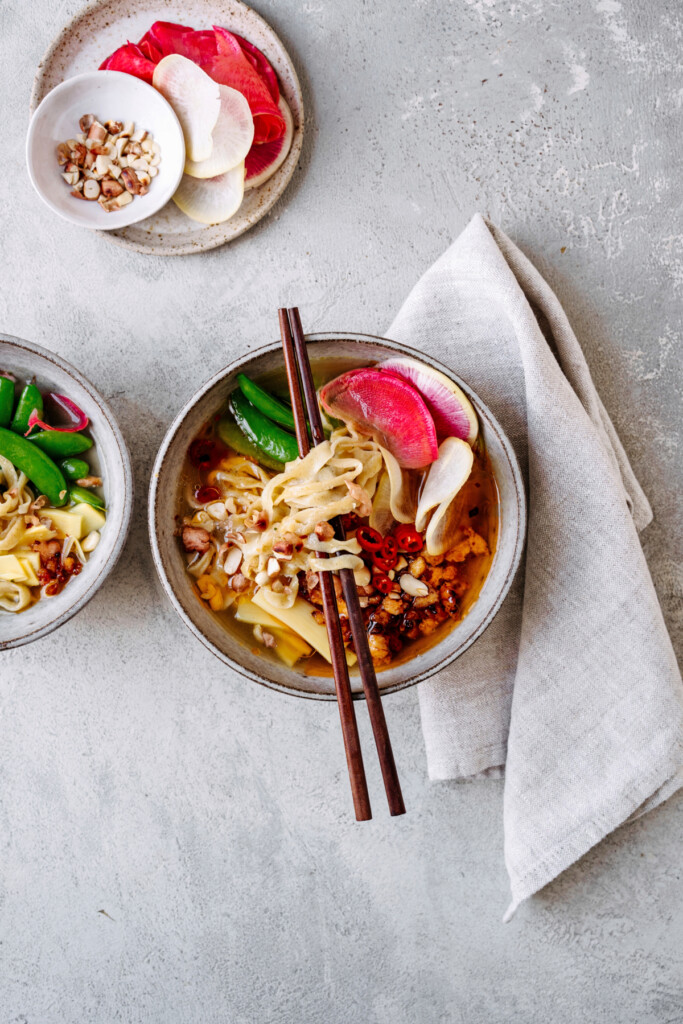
(231, 67)
(262, 65)
(150, 49)
(449, 405)
(80, 419)
(265, 159)
(132, 60)
(388, 409)
(168, 37)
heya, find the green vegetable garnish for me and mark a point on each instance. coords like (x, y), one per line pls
(83, 494)
(29, 399)
(266, 403)
(6, 401)
(230, 434)
(61, 445)
(38, 467)
(265, 434)
(74, 469)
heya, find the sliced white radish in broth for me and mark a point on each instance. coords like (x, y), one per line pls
(445, 479)
(232, 137)
(195, 98)
(211, 200)
(264, 160)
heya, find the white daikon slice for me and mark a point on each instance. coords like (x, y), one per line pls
(232, 137)
(445, 479)
(211, 200)
(195, 98)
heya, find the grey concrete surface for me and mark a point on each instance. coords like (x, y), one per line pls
(176, 845)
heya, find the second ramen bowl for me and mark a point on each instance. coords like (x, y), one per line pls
(165, 504)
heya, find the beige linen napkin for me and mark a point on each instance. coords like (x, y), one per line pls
(574, 688)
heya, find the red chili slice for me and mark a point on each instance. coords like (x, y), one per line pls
(382, 583)
(369, 539)
(408, 539)
(203, 454)
(206, 494)
(387, 556)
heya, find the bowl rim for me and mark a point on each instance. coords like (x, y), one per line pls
(30, 134)
(234, 367)
(127, 504)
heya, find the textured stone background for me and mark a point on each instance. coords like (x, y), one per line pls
(210, 818)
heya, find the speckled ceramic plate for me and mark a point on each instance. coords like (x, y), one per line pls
(107, 24)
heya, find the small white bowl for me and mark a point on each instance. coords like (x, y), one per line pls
(109, 459)
(109, 95)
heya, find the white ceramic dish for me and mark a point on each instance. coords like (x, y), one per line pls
(109, 458)
(99, 29)
(109, 95)
(164, 504)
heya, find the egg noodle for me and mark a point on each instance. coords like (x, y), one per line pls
(264, 526)
(24, 523)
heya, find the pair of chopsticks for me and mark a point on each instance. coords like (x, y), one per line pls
(300, 379)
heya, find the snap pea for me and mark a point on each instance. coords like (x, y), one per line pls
(29, 399)
(6, 400)
(270, 406)
(230, 434)
(265, 434)
(38, 467)
(83, 494)
(61, 445)
(74, 469)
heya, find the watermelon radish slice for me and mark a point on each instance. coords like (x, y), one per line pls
(132, 60)
(261, 63)
(232, 137)
(231, 67)
(449, 405)
(167, 37)
(211, 200)
(150, 48)
(195, 98)
(388, 409)
(265, 159)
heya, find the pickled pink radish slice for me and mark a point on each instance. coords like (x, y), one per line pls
(265, 159)
(232, 137)
(131, 60)
(438, 505)
(388, 409)
(150, 49)
(231, 67)
(259, 61)
(211, 200)
(168, 37)
(195, 98)
(449, 405)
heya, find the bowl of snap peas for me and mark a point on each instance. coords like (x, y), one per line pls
(66, 491)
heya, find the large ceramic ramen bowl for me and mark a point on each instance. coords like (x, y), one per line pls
(165, 505)
(109, 459)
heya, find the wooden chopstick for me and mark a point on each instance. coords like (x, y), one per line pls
(347, 715)
(366, 668)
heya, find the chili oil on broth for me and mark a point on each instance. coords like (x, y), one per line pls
(480, 512)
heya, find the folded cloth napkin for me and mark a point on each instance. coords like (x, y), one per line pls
(574, 688)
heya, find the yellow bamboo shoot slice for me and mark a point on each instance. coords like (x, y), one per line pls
(300, 619)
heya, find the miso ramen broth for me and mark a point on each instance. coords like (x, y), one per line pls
(254, 529)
